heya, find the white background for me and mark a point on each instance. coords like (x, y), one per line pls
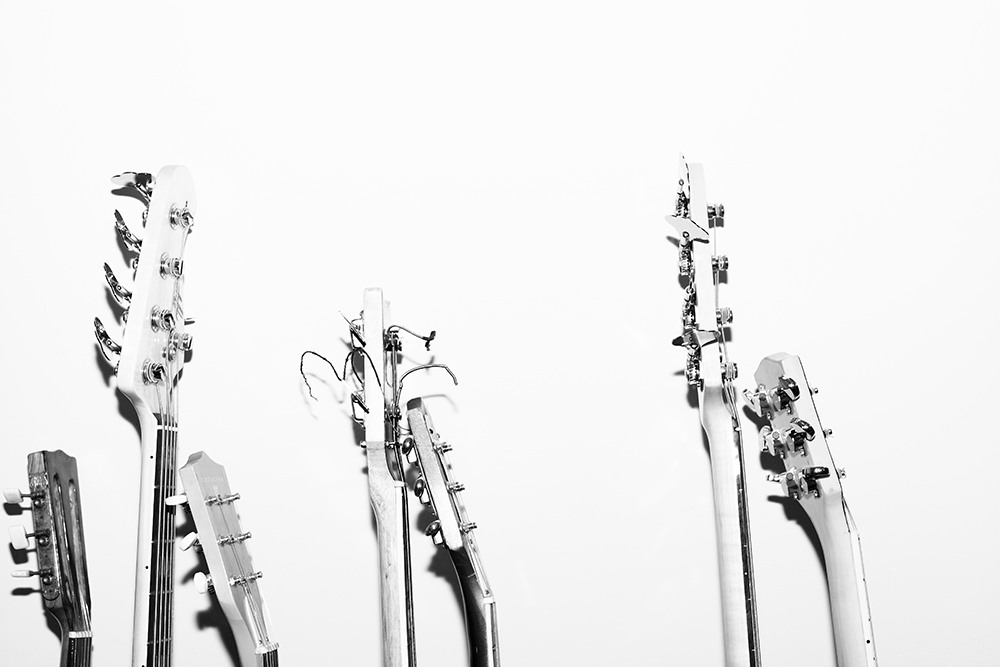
(503, 173)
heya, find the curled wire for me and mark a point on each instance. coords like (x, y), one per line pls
(427, 339)
(340, 376)
(422, 368)
(302, 372)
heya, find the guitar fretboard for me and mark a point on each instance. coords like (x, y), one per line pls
(159, 651)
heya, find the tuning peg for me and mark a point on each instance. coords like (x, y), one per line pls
(108, 346)
(203, 583)
(141, 182)
(409, 451)
(420, 491)
(189, 540)
(456, 487)
(122, 295)
(14, 496)
(129, 240)
(24, 574)
(434, 531)
(18, 537)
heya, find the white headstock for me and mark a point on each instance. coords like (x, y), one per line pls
(222, 539)
(151, 354)
(794, 433)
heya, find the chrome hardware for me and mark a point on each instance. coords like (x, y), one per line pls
(173, 501)
(802, 483)
(181, 216)
(813, 390)
(129, 240)
(121, 295)
(203, 583)
(720, 262)
(455, 487)
(191, 540)
(827, 432)
(724, 316)
(162, 318)
(108, 346)
(716, 211)
(789, 440)
(692, 372)
(685, 263)
(235, 538)
(408, 451)
(442, 447)
(420, 491)
(46, 575)
(171, 267)
(152, 373)
(222, 500)
(188, 321)
(434, 532)
(240, 581)
(178, 343)
(19, 537)
(841, 473)
(141, 182)
(468, 527)
(766, 401)
(729, 371)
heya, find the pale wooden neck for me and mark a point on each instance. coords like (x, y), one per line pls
(845, 572)
(732, 526)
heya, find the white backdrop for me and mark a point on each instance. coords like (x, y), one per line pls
(503, 174)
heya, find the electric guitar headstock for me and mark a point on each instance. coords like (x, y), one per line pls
(57, 519)
(703, 319)
(151, 354)
(436, 487)
(795, 435)
(232, 578)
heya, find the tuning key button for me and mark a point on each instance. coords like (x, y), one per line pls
(14, 496)
(434, 531)
(108, 346)
(129, 240)
(189, 540)
(420, 491)
(179, 499)
(203, 583)
(121, 295)
(24, 574)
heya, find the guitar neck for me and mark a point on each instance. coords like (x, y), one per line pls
(154, 579)
(480, 607)
(732, 526)
(268, 658)
(845, 572)
(75, 650)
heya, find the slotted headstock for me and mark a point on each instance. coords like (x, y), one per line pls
(222, 539)
(57, 520)
(151, 354)
(794, 433)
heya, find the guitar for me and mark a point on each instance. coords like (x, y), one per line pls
(56, 515)
(232, 577)
(376, 347)
(709, 370)
(148, 366)
(796, 436)
(452, 529)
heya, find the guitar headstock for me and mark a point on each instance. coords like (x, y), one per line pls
(151, 354)
(57, 520)
(436, 485)
(794, 433)
(223, 541)
(700, 267)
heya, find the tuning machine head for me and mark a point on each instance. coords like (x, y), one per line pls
(766, 402)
